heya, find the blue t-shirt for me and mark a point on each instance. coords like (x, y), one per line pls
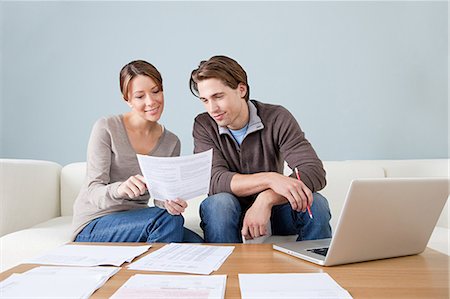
(239, 134)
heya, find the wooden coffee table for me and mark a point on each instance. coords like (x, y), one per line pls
(419, 276)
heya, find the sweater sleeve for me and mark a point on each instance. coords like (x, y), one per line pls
(177, 149)
(298, 152)
(100, 191)
(220, 173)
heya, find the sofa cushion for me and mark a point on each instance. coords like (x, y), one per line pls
(27, 183)
(192, 215)
(21, 245)
(413, 168)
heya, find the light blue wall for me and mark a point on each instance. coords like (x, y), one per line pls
(365, 80)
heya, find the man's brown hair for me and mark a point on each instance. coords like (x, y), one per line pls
(219, 67)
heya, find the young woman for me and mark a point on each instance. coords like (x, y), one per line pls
(112, 205)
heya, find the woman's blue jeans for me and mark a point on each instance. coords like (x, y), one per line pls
(148, 225)
(222, 217)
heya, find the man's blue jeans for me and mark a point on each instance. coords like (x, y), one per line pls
(148, 225)
(222, 217)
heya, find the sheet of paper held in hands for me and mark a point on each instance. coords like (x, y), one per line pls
(183, 177)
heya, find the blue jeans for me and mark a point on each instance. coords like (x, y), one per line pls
(222, 217)
(148, 225)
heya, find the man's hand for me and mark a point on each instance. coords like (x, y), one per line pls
(133, 187)
(176, 206)
(258, 216)
(295, 191)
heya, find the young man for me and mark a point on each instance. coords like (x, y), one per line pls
(250, 142)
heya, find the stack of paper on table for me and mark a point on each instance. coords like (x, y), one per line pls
(56, 282)
(296, 285)
(185, 258)
(172, 286)
(89, 255)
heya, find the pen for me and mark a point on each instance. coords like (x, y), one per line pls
(307, 205)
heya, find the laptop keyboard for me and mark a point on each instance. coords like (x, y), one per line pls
(321, 251)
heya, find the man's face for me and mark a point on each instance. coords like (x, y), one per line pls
(225, 105)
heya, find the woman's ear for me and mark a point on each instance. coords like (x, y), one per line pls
(128, 103)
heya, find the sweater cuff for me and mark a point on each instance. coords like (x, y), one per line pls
(224, 184)
(113, 190)
(159, 203)
(305, 179)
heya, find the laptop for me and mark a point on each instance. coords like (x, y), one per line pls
(381, 218)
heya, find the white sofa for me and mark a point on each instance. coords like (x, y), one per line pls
(36, 199)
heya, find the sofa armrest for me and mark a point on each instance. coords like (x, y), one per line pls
(29, 193)
(72, 178)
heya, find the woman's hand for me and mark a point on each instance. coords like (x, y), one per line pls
(133, 187)
(176, 206)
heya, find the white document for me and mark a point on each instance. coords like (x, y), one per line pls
(261, 239)
(185, 258)
(56, 282)
(183, 177)
(89, 255)
(295, 285)
(173, 286)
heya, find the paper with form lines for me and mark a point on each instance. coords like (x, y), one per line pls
(56, 282)
(184, 258)
(184, 177)
(89, 255)
(173, 286)
(290, 285)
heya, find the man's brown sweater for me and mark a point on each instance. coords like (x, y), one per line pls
(273, 136)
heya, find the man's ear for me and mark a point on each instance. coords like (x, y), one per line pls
(242, 88)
